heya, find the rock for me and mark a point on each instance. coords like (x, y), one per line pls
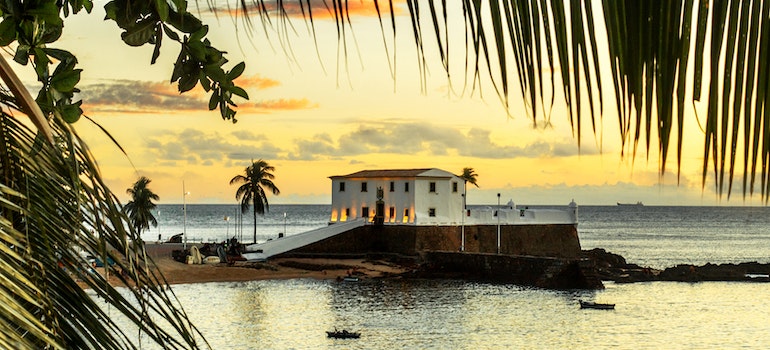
(605, 259)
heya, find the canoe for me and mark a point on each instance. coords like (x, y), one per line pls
(593, 305)
(343, 334)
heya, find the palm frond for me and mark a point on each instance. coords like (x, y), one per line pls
(56, 209)
(650, 46)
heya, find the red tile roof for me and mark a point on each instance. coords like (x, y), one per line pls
(384, 173)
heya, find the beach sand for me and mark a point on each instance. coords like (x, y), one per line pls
(281, 268)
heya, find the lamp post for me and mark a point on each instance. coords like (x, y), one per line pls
(227, 227)
(498, 223)
(159, 239)
(284, 224)
(462, 227)
(238, 224)
(184, 222)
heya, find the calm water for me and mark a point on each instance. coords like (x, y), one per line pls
(446, 314)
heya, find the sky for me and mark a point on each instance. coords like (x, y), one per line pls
(316, 112)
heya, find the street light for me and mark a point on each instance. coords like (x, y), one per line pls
(284, 224)
(184, 222)
(498, 223)
(158, 226)
(238, 224)
(462, 227)
(227, 227)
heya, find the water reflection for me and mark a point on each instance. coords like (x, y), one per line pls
(441, 314)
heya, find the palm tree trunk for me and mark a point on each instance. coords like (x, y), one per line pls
(255, 225)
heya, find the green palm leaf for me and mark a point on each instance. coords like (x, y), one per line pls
(54, 206)
(256, 178)
(650, 50)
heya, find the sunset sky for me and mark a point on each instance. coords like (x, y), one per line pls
(314, 117)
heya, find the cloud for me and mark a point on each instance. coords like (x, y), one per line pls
(320, 9)
(256, 82)
(266, 106)
(128, 96)
(424, 138)
(199, 147)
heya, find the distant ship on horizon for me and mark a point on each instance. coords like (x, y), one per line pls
(637, 204)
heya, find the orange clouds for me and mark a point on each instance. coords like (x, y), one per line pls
(126, 96)
(256, 82)
(320, 9)
(280, 104)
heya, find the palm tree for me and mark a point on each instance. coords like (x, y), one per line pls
(258, 177)
(54, 207)
(469, 175)
(662, 57)
(140, 207)
(54, 201)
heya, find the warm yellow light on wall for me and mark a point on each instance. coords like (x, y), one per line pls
(334, 215)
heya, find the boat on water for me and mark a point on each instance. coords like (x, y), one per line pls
(637, 204)
(594, 305)
(343, 334)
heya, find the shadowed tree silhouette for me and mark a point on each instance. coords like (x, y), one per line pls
(665, 60)
(54, 204)
(469, 175)
(258, 177)
(140, 207)
(663, 56)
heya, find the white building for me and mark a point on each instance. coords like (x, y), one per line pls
(427, 197)
(410, 196)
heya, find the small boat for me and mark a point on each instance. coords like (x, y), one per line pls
(593, 305)
(343, 334)
(350, 279)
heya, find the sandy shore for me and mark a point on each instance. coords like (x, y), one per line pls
(283, 268)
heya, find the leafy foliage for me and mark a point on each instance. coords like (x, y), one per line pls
(55, 210)
(470, 176)
(140, 207)
(34, 25)
(659, 52)
(258, 177)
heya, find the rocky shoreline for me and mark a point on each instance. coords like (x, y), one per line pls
(588, 271)
(613, 267)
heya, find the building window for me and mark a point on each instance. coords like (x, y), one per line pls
(454, 186)
(406, 215)
(392, 213)
(363, 187)
(392, 186)
(342, 186)
(432, 212)
(406, 187)
(365, 212)
(432, 187)
(347, 212)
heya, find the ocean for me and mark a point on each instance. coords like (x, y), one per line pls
(451, 314)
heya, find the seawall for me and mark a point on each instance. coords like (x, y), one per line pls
(559, 241)
(547, 256)
(538, 271)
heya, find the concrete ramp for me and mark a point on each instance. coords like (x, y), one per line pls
(263, 251)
